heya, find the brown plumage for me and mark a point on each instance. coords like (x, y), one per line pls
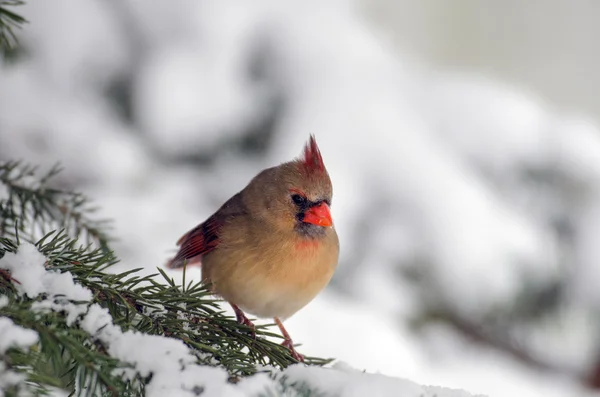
(272, 247)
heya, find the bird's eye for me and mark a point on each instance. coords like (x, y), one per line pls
(298, 199)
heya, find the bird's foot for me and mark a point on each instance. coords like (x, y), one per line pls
(242, 319)
(287, 341)
(290, 346)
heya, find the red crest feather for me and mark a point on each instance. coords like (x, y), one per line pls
(312, 159)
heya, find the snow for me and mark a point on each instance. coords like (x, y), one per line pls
(170, 362)
(9, 378)
(12, 336)
(455, 177)
(15, 336)
(27, 267)
(349, 382)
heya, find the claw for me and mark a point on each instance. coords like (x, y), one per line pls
(290, 345)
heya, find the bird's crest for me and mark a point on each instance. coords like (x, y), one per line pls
(312, 160)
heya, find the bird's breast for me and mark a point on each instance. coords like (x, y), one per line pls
(273, 278)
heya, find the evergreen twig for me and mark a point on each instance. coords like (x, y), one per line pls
(9, 21)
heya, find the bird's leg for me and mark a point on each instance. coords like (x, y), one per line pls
(287, 341)
(242, 319)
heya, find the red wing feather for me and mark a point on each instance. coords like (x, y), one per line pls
(198, 241)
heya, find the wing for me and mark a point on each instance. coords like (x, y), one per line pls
(206, 237)
(198, 241)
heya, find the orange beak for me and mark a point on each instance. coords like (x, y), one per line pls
(318, 215)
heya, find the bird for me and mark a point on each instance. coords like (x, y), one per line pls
(272, 247)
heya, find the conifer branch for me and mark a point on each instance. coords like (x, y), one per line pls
(34, 208)
(9, 21)
(67, 356)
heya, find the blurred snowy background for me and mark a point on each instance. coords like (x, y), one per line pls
(461, 137)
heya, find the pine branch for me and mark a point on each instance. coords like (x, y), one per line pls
(9, 21)
(34, 208)
(70, 358)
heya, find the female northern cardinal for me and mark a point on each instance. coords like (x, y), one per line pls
(272, 247)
